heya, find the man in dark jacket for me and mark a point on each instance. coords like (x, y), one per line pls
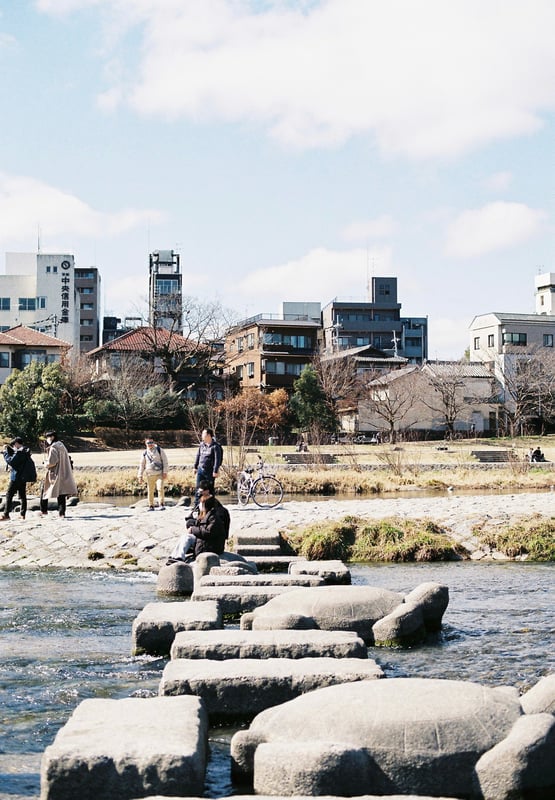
(207, 462)
(209, 529)
(18, 458)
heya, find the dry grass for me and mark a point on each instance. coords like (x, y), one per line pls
(528, 538)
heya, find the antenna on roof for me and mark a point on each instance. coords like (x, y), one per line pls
(38, 237)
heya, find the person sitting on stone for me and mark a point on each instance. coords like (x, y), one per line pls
(209, 530)
(185, 548)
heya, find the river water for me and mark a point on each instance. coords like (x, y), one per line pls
(66, 636)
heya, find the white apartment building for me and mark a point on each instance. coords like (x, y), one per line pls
(38, 290)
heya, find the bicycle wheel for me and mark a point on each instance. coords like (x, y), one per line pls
(267, 492)
(243, 489)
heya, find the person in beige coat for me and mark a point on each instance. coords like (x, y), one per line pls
(59, 482)
(153, 468)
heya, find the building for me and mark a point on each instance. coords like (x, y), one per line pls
(349, 324)
(87, 286)
(113, 327)
(269, 351)
(165, 299)
(19, 346)
(417, 401)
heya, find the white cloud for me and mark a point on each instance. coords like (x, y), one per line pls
(496, 226)
(318, 276)
(26, 203)
(379, 228)
(426, 79)
(498, 181)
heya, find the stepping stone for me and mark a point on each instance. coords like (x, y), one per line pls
(155, 627)
(128, 748)
(333, 571)
(219, 645)
(242, 687)
(273, 563)
(236, 600)
(268, 579)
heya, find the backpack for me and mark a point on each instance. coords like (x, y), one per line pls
(29, 471)
(220, 450)
(155, 465)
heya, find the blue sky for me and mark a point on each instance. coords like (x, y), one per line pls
(288, 149)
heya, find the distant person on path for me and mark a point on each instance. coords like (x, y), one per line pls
(153, 468)
(23, 471)
(59, 482)
(207, 462)
(537, 455)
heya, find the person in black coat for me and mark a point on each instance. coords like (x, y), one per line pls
(209, 529)
(18, 458)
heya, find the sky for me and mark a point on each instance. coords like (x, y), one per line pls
(287, 149)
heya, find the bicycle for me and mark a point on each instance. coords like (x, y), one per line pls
(266, 491)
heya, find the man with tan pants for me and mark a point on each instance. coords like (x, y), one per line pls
(153, 468)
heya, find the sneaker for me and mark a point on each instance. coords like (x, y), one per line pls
(150, 508)
(161, 508)
(4, 518)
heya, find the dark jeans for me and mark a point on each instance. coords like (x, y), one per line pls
(61, 504)
(202, 476)
(13, 487)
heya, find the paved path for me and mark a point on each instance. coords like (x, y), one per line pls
(122, 534)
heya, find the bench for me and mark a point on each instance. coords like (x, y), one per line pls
(309, 458)
(494, 456)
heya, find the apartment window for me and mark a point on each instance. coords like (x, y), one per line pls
(239, 372)
(383, 289)
(518, 339)
(27, 303)
(85, 290)
(548, 340)
(85, 337)
(49, 268)
(476, 342)
(239, 344)
(250, 369)
(4, 303)
(87, 306)
(41, 302)
(4, 360)
(167, 286)
(281, 368)
(250, 340)
(491, 340)
(87, 322)
(362, 340)
(82, 273)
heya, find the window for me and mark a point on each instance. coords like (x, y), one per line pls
(27, 303)
(85, 290)
(4, 360)
(4, 303)
(476, 342)
(87, 306)
(281, 368)
(83, 273)
(48, 268)
(383, 289)
(250, 340)
(250, 369)
(239, 344)
(41, 302)
(289, 340)
(87, 322)
(491, 340)
(166, 286)
(518, 339)
(85, 338)
(239, 372)
(548, 340)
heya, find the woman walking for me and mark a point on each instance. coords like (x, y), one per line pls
(59, 482)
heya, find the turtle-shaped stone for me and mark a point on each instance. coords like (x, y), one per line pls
(401, 735)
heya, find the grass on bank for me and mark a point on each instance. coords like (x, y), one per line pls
(528, 538)
(393, 539)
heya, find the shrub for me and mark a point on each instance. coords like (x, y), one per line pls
(530, 538)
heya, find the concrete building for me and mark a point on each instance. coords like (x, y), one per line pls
(269, 351)
(165, 291)
(87, 286)
(47, 292)
(349, 324)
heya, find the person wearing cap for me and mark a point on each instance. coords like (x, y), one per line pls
(59, 482)
(18, 459)
(153, 468)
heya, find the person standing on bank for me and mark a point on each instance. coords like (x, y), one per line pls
(59, 482)
(207, 462)
(153, 468)
(23, 471)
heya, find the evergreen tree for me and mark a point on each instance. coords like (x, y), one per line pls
(310, 406)
(30, 400)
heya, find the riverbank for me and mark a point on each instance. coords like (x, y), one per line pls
(102, 536)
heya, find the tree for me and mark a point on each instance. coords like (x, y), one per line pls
(31, 401)
(528, 380)
(311, 407)
(249, 413)
(450, 395)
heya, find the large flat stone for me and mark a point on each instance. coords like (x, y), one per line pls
(235, 600)
(224, 644)
(155, 627)
(242, 687)
(333, 571)
(128, 748)
(268, 579)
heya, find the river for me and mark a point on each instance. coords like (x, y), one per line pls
(66, 636)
